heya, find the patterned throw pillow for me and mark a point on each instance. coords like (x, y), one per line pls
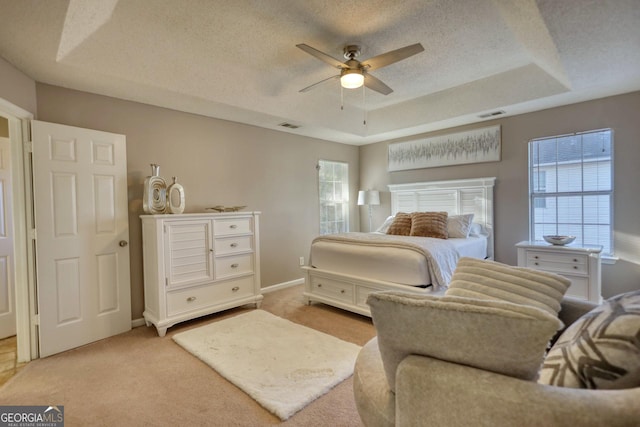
(429, 224)
(601, 350)
(401, 225)
(484, 279)
(458, 226)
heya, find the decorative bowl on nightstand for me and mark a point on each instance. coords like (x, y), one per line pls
(559, 240)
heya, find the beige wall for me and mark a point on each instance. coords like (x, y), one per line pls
(218, 163)
(16, 87)
(4, 127)
(511, 194)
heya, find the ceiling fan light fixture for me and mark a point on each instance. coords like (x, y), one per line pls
(352, 79)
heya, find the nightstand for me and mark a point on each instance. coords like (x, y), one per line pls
(580, 264)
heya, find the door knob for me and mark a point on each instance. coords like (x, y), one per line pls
(123, 243)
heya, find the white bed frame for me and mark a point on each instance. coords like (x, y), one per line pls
(456, 197)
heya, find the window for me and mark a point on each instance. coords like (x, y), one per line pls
(571, 187)
(539, 186)
(333, 186)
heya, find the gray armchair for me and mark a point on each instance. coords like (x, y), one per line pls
(432, 392)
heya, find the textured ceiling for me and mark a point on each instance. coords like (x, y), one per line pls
(237, 59)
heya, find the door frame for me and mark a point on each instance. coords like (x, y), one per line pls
(25, 289)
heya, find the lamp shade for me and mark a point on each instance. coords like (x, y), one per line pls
(369, 197)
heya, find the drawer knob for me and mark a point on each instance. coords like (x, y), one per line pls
(234, 265)
(233, 245)
(575, 260)
(342, 291)
(536, 256)
(319, 285)
(233, 226)
(191, 299)
(575, 267)
(235, 289)
(535, 263)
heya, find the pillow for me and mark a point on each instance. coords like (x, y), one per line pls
(600, 350)
(477, 230)
(498, 336)
(484, 279)
(429, 224)
(459, 226)
(401, 225)
(385, 225)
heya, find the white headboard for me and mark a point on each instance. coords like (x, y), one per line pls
(456, 197)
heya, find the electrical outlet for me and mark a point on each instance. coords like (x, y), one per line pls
(301, 261)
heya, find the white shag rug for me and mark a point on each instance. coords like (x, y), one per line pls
(284, 366)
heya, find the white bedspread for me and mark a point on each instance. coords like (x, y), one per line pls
(439, 256)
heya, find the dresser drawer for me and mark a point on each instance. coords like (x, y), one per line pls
(362, 293)
(580, 264)
(332, 289)
(579, 287)
(558, 263)
(232, 245)
(195, 298)
(230, 226)
(229, 266)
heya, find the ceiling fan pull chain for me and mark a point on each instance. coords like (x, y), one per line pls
(341, 98)
(364, 108)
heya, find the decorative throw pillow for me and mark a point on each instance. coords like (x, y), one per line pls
(484, 279)
(476, 230)
(401, 225)
(386, 224)
(493, 335)
(429, 224)
(459, 226)
(601, 350)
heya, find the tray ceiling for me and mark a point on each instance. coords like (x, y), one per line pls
(237, 59)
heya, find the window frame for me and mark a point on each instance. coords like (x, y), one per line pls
(344, 202)
(535, 197)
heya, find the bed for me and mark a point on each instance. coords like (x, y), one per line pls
(345, 268)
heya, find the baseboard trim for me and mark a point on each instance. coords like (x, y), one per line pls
(282, 285)
(135, 323)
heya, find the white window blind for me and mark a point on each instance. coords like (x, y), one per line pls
(571, 187)
(333, 189)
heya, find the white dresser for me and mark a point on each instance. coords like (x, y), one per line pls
(197, 264)
(580, 264)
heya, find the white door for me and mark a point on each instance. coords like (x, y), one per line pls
(7, 285)
(82, 233)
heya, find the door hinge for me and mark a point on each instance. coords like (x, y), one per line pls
(35, 319)
(28, 146)
(33, 234)
(166, 281)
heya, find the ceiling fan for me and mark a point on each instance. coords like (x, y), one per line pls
(354, 73)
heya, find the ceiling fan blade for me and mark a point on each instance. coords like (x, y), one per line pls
(308, 88)
(376, 84)
(322, 56)
(392, 56)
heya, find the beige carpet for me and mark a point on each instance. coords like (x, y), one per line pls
(138, 378)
